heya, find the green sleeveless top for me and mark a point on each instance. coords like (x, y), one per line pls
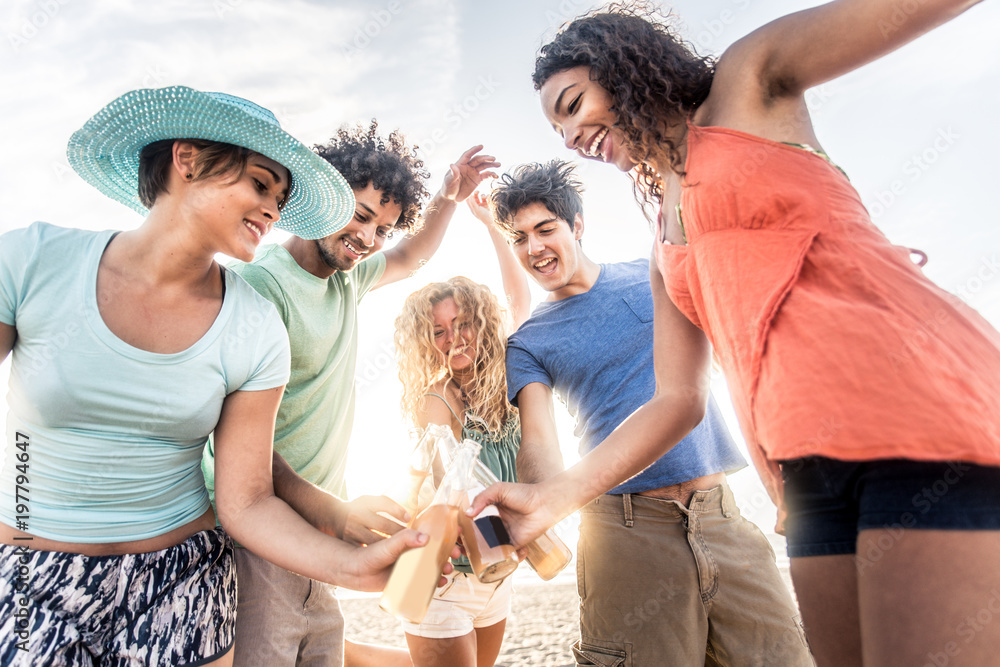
(498, 453)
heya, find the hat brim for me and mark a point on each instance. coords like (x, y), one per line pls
(105, 152)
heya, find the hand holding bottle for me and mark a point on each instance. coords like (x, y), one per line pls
(370, 567)
(523, 509)
(416, 574)
(369, 519)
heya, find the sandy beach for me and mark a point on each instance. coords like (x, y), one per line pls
(542, 625)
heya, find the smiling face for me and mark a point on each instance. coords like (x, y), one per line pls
(364, 235)
(547, 248)
(580, 111)
(454, 336)
(239, 213)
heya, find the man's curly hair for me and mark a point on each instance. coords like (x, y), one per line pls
(388, 163)
(654, 78)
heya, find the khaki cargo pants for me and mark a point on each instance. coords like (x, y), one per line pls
(662, 585)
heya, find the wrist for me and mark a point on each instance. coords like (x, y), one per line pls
(442, 198)
(556, 494)
(341, 511)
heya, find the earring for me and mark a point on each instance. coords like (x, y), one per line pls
(188, 177)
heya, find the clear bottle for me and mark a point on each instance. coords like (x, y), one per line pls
(416, 572)
(487, 544)
(420, 486)
(548, 555)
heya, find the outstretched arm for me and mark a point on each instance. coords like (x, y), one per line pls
(807, 48)
(255, 517)
(515, 284)
(463, 177)
(682, 358)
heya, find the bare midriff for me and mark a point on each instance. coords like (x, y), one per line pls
(683, 491)
(169, 539)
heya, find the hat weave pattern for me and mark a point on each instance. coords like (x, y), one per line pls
(105, 151)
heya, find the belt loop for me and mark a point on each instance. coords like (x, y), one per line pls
(627, 498)
(727, 509)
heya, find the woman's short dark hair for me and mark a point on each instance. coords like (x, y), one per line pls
(654, 78)
(388, 163)
(213, 159)
(554, 185)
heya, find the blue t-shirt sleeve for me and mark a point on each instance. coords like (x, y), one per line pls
(17, 250)
(523, 369)
(272, 360)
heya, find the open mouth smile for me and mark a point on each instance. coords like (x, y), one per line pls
(354, 249)
(546, 266)
(258, 230)
(593, 148)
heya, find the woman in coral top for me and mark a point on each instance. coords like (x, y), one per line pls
(867, 394)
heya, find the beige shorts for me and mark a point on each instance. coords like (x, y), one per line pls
(461, 605)
(664, 584)
(285, 619)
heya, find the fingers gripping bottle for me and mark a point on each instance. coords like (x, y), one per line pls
(487, 544)
(548, 555)
(415, 574)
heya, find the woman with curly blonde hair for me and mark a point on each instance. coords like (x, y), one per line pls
(451, 342)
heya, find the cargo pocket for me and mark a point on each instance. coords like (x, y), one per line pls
(588, 655)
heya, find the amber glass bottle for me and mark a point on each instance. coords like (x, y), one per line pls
(415, 574)
(548, 555)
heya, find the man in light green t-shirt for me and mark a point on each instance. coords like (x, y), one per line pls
(284, 619)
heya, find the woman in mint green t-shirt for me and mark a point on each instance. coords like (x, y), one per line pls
(129, 349)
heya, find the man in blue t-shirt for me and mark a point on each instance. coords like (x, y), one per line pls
(668, 571)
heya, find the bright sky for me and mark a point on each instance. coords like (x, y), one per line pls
(916, 131)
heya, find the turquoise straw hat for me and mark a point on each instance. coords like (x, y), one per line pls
(105, 151)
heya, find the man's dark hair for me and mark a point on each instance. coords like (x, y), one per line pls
(388, 163)
(213, 159)
(554, 185)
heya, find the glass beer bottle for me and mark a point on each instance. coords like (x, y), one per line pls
(548, 555)
(487, 544)
(416, 572)
(421, 464)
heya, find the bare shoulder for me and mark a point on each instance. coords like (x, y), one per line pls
(744, 98)
(439, 407)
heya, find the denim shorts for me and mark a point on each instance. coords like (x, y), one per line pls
(830, 501)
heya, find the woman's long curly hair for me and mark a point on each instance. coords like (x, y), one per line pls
(655, 79)
(421, 365)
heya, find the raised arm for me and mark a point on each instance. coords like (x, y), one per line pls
(515, 283)
(682, 358)
(463, 177)
(804, 49)
(255, 517)
(539, 457)
(8, 335)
